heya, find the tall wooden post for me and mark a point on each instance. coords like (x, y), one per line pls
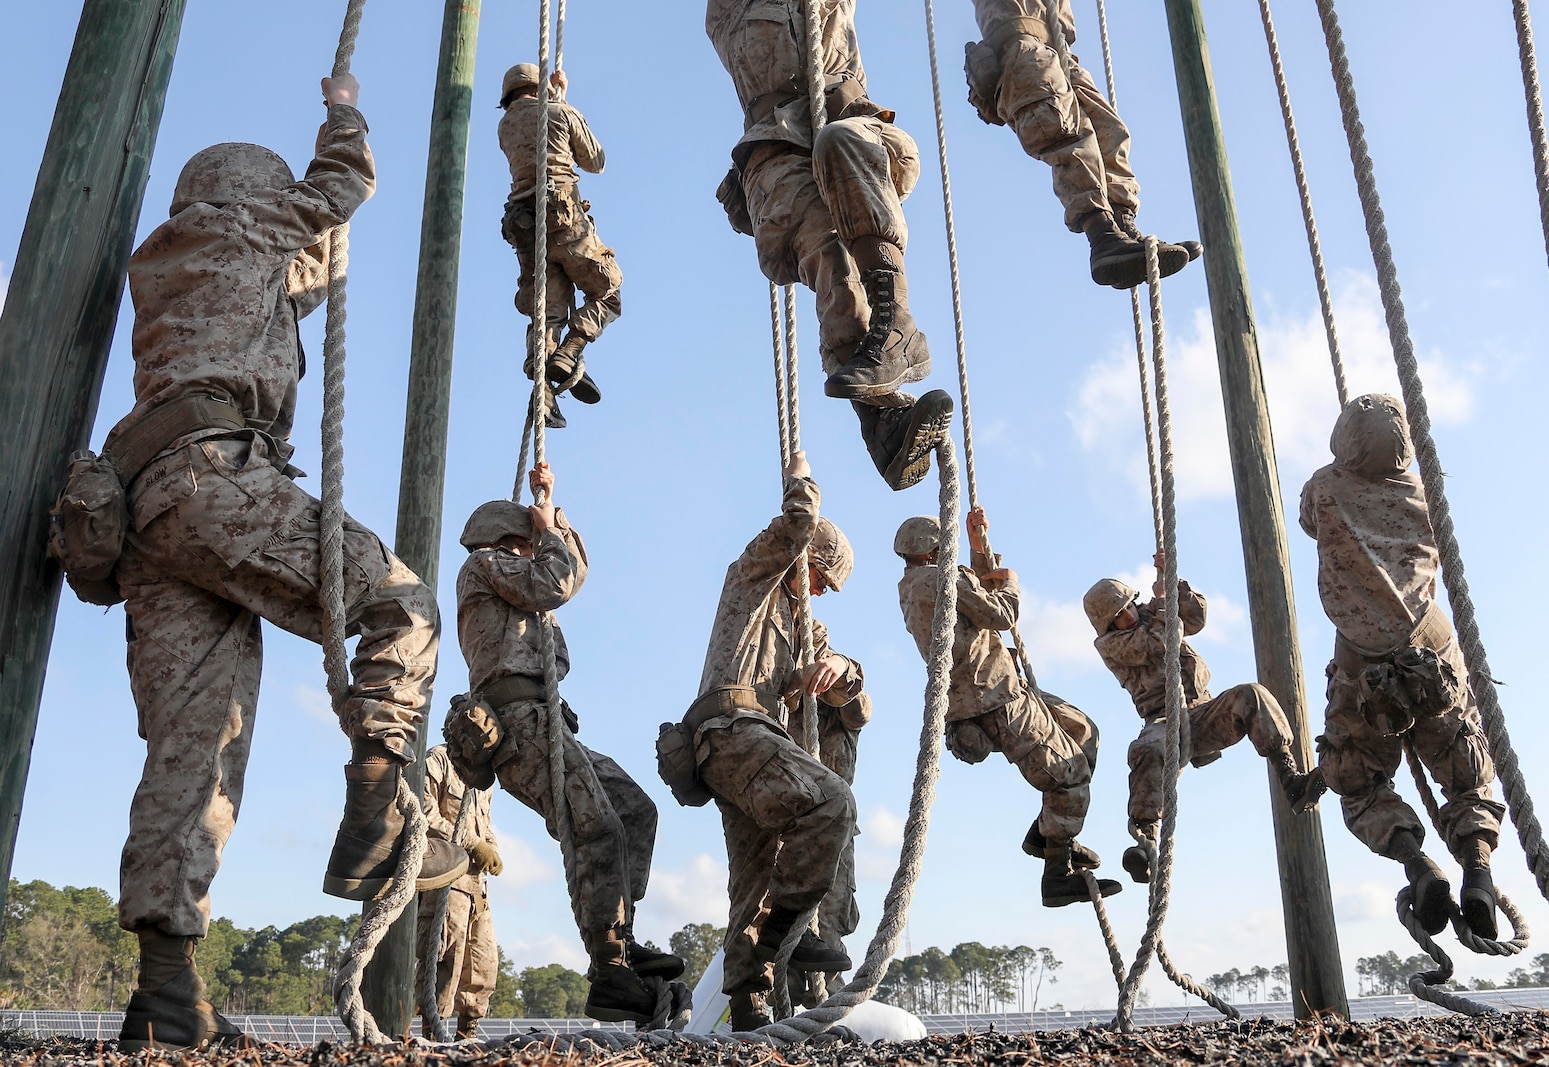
(1312, 944)
(388, 986)
(57, 327)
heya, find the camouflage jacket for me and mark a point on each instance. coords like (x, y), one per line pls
(1138, 656)
(993, 14)
(839, 730)
(754, 640)
(500, 597)
(218, 289)
(984, 676)
(763, 46)
(571, 145)
(1377, 558)
(442, 800)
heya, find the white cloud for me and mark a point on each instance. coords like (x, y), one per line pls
(1298, 379)
(1057, 635)
(694, 893)
(542, 949)
(1362, 901)
(883, 827)
(523, 865)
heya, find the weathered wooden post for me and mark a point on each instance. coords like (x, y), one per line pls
(1312, 944)
(388, 987)
(57, 327)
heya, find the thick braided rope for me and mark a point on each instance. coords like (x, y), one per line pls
(895, 906)
(1161, 878)
(1507, 767)
(816, 87)
(1535, 109)
(1304, 192)
(1110, 939)
(559, 36)
(1189, 985)
(782, 405)
(1424, 984)
(790, 428)
(331, 515)
(379, 917)
(430, 1009)
(538, 336)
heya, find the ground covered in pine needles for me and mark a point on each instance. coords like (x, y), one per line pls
(1497, 1040)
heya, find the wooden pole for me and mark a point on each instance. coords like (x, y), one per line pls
(1312, 944)
(388, 986)
(57, 327)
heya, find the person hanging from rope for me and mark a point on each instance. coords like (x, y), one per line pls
(826, 210)
(577, 260)
(220, 536)
(787, 818)
(1016, 77)
(1132, 641)
(992, 709)
(1397, 677)
(524, 562)
(839, 734)
(469, 962)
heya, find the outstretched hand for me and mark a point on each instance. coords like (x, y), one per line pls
(541, 481)
(978, 530)
(798, 467)
(341, 90)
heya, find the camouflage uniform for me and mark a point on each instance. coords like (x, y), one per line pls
(500, 598)
(787, 818)
(1066, 121)
(1377, 564)
(220, 535)
(577, 258)
(990, 708)
(808, 198)
(1138, 659)
(469, 961)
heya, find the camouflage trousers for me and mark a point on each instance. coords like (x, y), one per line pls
(469, 963)
(1359, 763)
(613, 832)
(1054, 745)
(578, 262)
(219, 539)
(787, 819)
(1214, 725)
(838, 915)
(807, 208)
(1068, 123)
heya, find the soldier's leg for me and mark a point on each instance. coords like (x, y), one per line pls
(1113, 141)
(452, 966)
(481, 968)
(637, 815)
(1037, 101)
(594, 271)
(750, 852)
(1252, 711)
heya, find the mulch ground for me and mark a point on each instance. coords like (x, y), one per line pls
(1506, 1039)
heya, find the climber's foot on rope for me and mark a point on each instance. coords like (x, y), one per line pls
(1119, 260)
(1302, 789)
(749, 1012)
(1063, 883)
(365, 854)
(894, 351)
(1477, 901)
(617, 995)
(1432, 892)
(810, 954)
(901, 439)
(1136, 862)
(650, 963)
(1081, 857)
(1125, 220)
(562, 367)
(553, 418)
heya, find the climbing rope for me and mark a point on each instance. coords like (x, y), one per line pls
(1507, 767)
(430, 1009)
(1304, 193)
(1535, 109)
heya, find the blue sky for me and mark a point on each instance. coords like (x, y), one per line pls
(678, 466)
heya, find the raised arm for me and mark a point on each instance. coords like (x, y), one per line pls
(584, 145)
(774, 550)
(991, 603)
(544, 582)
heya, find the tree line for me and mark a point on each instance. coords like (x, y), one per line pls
(971, 979)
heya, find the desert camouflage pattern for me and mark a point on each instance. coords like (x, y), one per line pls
(1063, 120)
(1377, 567)
(500, 596)
(787, 818)
(572, 145)
(807, 197)
(1138, 657)
(1053, 745)
(469, 962)
(217, 289)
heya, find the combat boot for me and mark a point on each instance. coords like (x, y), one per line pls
(648, 962)
(617, 994)
(1119, 260)
(749, 1012)
(810, 954)
(1062, 884)
(167, 1009)
(365, 853)
(562, 365)
(1478, 896)
(1302, 789)
(1136, 860)
(1125, 221)
(1081, 857)
(467, 1028)
(893, 352)
(901, 439)
(1432, 893)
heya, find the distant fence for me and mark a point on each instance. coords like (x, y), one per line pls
(310, 1029)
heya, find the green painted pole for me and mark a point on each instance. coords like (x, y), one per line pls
(388, 986)
(1312, 943)
(57, 327)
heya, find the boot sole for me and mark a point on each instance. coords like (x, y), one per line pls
(1105, 888)
(927, 431)
(1136, 867)
(1433, 904)
(371, 888)
(1128, 271)
(616, 1015)
(912, 372)
(666, 973)
(820, 966)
